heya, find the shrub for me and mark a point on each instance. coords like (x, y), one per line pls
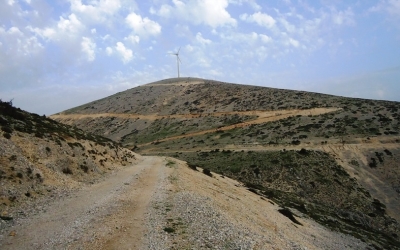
(170, 163)
(39, 177)
(169, 230)
(192, 167)
(388, 152)
(207, 172)
(6, 129)
(286, 212)
(373, 163)
(67, 170)
(296, 142)
(303, 151)
(84, 168)
(7, 135)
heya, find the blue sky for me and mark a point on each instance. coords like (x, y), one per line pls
(58, 54)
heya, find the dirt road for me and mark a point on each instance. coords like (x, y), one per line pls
(262, 117)
(104, 215)
(262, 114)
(133, 208)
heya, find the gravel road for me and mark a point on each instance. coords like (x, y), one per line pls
(105, 214)
(162, 204)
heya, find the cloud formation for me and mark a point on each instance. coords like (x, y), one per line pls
(259, 18)
(143, 26)
(208, 12)
(98, 47)
(125, 53)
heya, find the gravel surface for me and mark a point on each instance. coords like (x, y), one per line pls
(186, 205)
(162, 205)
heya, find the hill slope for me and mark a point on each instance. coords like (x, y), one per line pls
(306, 146)
(40, 158)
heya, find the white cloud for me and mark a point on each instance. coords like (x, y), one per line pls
(88, 47)
(265, 38)
(124, 52)
(252, 3)
(392, 7)
(288, 26)
(19, 43)
(14, 31)
(72, 25)
(133, 39)
(143, 26)
(97, 11)
(67, 28)
(294, 42)
(202, 40)
(343, 17)
(241, 38)
(109, 51)
(259, 18)
(208, 12)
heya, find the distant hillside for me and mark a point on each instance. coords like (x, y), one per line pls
(169, 108)
(334, 158)
(39, 157)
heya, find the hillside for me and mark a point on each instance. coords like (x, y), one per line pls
(41, 158)
(332, 158)
(63, 188)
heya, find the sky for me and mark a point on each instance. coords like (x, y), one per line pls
(58, 54)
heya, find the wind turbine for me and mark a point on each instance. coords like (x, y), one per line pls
(178, 60)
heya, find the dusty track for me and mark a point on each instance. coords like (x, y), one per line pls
(263, 117)
(105, 215)
(260, 113)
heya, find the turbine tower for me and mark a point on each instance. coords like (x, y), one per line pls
(178, 60)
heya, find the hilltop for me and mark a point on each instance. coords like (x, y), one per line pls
(295, 147)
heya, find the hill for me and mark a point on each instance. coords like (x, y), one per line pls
(332, 158)
(41, 158)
